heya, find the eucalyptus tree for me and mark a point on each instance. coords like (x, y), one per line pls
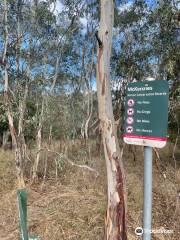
(55, 46)
(15, 91)
(28, 30)
(115, 221)
(146, 36)
(146, 39)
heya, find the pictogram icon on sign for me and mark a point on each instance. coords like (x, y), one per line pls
(130, 111)
(130, 120)
(129, 129)
(131, 102)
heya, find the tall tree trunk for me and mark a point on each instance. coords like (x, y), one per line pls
(55, 75)
(15, 140)
(21, 138)
(90, 94)
(39, 141)
(115, 220)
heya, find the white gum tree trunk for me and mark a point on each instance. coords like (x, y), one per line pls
(39, 140)
(14, 135)
(115, 220)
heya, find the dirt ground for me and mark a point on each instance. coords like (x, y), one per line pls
(72, 205)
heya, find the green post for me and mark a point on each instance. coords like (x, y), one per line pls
(22, 204)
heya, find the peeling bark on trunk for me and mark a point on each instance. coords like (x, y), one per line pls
(115, 220)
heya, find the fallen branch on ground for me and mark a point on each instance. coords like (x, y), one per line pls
(69, 161)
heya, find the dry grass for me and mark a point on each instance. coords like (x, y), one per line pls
(7, 171)
(73, 206)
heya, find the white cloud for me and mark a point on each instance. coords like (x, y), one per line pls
(125, 7)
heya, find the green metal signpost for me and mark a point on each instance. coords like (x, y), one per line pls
(145, 123)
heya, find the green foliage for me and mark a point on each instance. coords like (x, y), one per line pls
(145, 43)
(148, 40)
